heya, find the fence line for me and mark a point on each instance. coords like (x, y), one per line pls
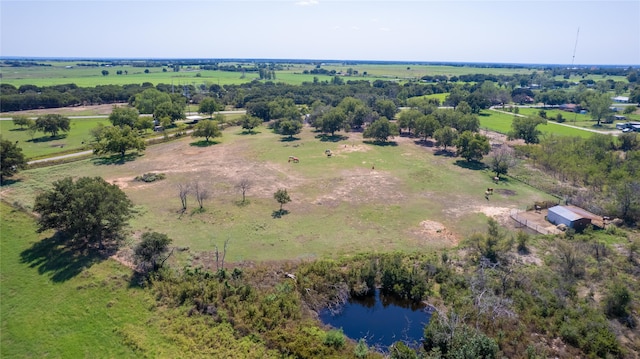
(530, 224)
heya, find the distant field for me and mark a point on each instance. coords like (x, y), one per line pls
(292, 74)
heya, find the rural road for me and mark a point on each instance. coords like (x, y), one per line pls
(612, 132)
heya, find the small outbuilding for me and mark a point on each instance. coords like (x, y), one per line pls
(569, 217)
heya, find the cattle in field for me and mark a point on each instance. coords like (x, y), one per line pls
(294, 159)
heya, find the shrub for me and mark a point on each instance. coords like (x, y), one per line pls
(334, 338)
(150, 177)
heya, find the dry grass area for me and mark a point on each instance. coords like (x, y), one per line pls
(364, 198)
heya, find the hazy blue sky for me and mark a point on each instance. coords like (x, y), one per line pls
(515, 31)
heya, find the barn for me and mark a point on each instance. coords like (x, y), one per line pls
(569, 217)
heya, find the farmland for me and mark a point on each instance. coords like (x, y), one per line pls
(407, 216)
(89, 76)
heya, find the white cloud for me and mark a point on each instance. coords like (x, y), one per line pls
(386, 29)
(307, 3)
(355, 28)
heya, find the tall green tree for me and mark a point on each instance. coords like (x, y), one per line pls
(124, 116)
(23, 121)
(381, 129)
(249, 122)
(173, 110)
(88, 209)
(282, 196)
(209, 105)
(409, 119)
(147, 100)
(11, 159)
(445, 136)
(207, 129)
(334, 120)
(472, 146)
(110, 139)
(355, 110)
(598, 105)
(289, 128)
(526, 128)
(426, 126)
(53, 124)
(386, 108)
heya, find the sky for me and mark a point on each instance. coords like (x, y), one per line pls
(514, 31)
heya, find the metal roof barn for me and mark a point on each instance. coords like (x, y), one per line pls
(565, 215)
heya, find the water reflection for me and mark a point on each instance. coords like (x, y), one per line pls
(381, 320)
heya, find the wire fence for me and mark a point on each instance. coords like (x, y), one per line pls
(534, 225)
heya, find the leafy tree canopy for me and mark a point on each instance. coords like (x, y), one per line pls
(207, 129)
(111, 139)
(526, 128)
(381, 130)
(88, 209)
(124, 116)
(52, 123)
(11, 159)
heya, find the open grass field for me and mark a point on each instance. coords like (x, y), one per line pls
(42, 145)
(56, 305)
(364, 198)
(501, 122)
(293, 74)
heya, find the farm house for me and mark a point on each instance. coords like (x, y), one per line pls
(570, 216)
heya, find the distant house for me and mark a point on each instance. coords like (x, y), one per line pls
(573, 217)
(570, 107)
(620, 99)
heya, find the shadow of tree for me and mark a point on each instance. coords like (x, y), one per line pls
(425, 143)
(9, 181)
(48, 138)
(279, 213)
(62, 258)
(203, 143)
(471, 165)
(249, 132)
(443, 152)
(289, 139)
(115, 159)
(331, 138)
(382, 143)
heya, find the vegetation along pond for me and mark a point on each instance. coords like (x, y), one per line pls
(381, 319)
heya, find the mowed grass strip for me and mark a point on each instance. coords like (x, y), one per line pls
(45, 313)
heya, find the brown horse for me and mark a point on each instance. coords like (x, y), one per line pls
(294, 159)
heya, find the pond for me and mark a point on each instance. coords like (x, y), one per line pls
(381, 319)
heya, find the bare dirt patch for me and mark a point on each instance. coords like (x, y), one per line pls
(432, 230)
(505, 192)
(361, 186)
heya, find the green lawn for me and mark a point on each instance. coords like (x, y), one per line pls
(501, 122)
(56, 305)
(42, 145)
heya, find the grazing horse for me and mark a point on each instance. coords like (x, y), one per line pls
(294, 159)
(496, 179)
(489, 190)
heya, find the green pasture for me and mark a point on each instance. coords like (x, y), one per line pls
(293, 74)
(573, 119)
(340, 205)
(42, 145)
(55, 305)
(501, 122)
